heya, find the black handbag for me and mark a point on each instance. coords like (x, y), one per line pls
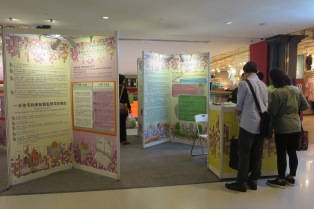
(266, 129)
(233, 157)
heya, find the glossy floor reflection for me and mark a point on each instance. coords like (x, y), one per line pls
(211, 195)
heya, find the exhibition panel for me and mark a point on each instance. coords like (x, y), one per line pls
(173, 89)
(61, 105)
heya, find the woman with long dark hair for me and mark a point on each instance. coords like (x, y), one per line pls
(285, 104)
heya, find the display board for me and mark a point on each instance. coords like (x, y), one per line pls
(39, 123)
(189, 96)
(1, 60)
(61, 103)
(93, 103)
(3, 138)
(95, 112)
(175, 90)
(140, 97)
(156, 92)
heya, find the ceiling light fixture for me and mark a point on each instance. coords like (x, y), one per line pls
(50, 20)
(105, 18)
(55, 45)
(228, 23)
(10, 18)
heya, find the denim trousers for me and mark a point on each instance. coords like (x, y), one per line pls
(250, 156)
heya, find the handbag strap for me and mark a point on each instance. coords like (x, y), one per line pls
(121, 93)
(254, 96)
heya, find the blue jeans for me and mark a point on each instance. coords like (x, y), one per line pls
(250, 154)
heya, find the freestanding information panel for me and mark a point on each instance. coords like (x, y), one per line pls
(61, 102)
(223, 126)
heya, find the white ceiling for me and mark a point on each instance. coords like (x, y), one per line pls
(180, 20)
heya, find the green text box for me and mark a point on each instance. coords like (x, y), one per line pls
(189, 106)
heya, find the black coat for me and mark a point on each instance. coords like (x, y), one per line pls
(125, 96)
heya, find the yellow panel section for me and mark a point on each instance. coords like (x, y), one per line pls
(214, 140)
(230, 130)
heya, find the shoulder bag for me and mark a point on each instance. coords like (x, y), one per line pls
(265, 125)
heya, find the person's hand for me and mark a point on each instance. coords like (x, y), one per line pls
(237, 112)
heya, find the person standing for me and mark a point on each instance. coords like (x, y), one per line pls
(250, 142)
(123, 116)
(260, 75)
(233, 96)
(287, 101)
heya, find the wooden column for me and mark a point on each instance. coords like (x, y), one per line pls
(283, 52)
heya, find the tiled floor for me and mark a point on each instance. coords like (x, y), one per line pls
(211, 195)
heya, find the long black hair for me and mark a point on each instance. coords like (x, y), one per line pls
(279, 78)
(121, 79)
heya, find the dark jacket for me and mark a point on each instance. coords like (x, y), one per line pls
(233, 96)
(125, 97)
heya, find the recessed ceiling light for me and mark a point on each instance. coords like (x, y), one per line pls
(106, 18)
(228, 23)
